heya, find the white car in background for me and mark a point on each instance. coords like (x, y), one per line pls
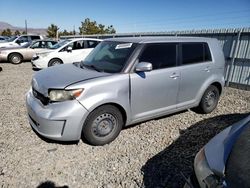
(17, 41)
(66, 51)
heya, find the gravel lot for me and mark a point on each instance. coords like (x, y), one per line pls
(151, 154)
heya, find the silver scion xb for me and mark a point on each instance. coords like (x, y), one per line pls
(125, 81)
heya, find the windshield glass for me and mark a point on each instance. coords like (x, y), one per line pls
(60, 44)
(109, 56)
(11, 39)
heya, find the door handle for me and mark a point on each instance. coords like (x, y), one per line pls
(207, 69)
(174, 76)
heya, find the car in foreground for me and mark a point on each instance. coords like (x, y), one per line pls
(16, 55)
(66, 51)
(16, 41)
(224, 160)
(124, 81)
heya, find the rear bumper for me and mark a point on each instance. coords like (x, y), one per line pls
(61, 121)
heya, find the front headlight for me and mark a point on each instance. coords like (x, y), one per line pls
(205, 176)
(63, 95)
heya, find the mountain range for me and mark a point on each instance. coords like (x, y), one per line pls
(39, 31)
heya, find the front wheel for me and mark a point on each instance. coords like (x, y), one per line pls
(54, 62)
(103, 125)
(209, 100)
(15, 58)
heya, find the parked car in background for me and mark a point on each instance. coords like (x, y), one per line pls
(224, 160)
(66, 51)
(3, 38)
(124, 81)
(16, 41)
(16, 55)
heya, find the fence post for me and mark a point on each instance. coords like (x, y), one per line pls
(236, 49)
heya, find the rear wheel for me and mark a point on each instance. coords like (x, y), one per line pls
(54, 62)
(209, 100)
(15, 58)
(103, 125)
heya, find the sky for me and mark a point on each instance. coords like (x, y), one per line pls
(128, 16)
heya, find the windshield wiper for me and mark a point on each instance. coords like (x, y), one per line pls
(93, 67)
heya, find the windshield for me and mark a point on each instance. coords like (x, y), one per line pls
(109, 56)
(60, 44)
(11, 39)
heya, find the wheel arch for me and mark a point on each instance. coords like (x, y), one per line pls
(120, 107)
(55, 58)
(14, 53)
(218, 85)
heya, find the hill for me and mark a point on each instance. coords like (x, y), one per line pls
(5, 25)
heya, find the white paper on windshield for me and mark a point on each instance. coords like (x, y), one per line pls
(122, 46)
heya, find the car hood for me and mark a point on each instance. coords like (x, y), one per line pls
(61, 76)
(8, 44)
(218, 149)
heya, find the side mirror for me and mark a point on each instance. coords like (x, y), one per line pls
(69, 49)
(143, 67)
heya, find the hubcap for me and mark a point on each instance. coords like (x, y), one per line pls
(56, 63)
(104, 124)
(210, 99)
(15, 59)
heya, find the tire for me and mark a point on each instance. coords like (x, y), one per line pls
(209, 100)
(15, 58)
(102, 125)
(54, 62)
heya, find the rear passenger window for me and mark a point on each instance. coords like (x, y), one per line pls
(160, 55)
(195, 53)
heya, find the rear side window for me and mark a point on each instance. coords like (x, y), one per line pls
(195, 53)
(34, 37)
(160, 55)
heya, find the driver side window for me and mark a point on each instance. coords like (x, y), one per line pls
(162, 55)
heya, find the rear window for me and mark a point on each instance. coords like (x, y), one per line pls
(195, 53)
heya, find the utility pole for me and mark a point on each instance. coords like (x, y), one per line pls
(26, 30)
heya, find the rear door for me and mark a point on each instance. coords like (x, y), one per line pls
(155, 92)
(196, 67)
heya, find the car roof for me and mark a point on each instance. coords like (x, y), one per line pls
(160, 39)
(46, 40)
(77, 39)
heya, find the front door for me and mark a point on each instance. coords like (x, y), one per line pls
(154, 93)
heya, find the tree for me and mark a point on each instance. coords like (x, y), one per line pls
(110, 29)
(52, 30)
(17, 32)
(6, 32)
(24, 32)
(89, 27)
(65, 33)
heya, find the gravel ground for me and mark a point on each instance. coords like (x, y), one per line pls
(151, 154)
